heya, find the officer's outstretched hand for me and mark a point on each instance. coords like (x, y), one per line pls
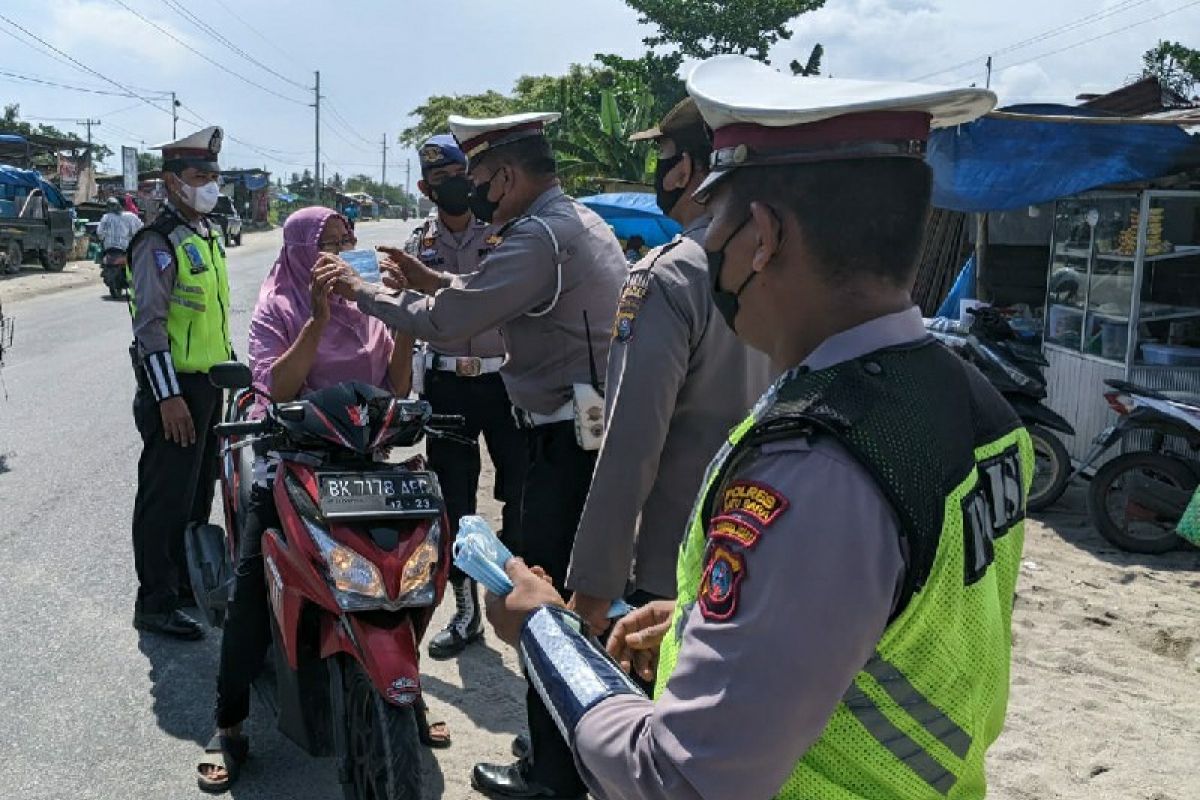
(636, 638)
(177, 421)
(531, 591)
(416, 274)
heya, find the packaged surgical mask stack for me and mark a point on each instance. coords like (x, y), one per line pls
(480, 553)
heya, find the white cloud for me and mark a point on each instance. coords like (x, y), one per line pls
(100, 32)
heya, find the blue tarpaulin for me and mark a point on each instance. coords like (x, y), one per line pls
(1001, 164)
(634, 214)
(12, 179)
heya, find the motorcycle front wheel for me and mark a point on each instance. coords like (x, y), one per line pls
(1052, 469)
(1119, 519)
(385, 748)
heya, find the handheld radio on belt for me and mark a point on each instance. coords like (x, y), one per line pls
(589, 401)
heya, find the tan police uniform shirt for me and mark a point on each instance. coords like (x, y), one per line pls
(441, 249)
(678, 380)
(760, 674)
(547, 354)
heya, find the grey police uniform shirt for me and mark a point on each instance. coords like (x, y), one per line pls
(459, 253)
(750, 694)
(678, 380)
(152, 287)
(546, 354)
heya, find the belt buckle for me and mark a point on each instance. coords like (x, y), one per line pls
(468, 367)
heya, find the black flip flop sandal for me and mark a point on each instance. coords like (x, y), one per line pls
(226, 752)
(425, 729)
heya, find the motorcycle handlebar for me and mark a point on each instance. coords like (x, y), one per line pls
(248, 428)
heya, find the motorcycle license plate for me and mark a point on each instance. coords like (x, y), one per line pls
(379, 494)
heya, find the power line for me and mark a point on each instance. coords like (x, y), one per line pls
(212, 61)
(338, 115)
(261, 35)
(1124, 5)
(80, 65)
(205, 27)
(55, 84)
(1098, 37)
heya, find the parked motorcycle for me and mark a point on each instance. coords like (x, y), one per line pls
(1137, 499)
(353, 573)
(112, 272)
(1015, 370)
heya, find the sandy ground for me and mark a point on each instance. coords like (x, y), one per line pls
(32, 280)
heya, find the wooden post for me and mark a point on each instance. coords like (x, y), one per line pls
(982, 290)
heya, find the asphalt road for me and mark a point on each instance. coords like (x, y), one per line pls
(89, 708)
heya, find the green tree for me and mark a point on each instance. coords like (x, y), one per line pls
(1177, 67)
(705, 28)
(149, 162)
(12, 123)
(432, 114)
(812, 67)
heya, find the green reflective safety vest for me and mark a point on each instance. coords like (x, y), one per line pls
(198, 313)
(956, 465)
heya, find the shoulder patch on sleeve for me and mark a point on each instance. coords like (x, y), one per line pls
(748, 508)
(633, 294)
(721, 584)
(162, 259)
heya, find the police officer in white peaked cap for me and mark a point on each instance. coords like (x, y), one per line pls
(180, 307)
(551, 284)
(845, 586)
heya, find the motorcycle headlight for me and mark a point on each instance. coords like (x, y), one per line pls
(417, 586)
(356, 581)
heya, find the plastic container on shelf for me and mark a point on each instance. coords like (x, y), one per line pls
(1114, 339)
(1064, 323)
(1171, 355)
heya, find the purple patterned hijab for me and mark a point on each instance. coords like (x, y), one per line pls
(354, 346)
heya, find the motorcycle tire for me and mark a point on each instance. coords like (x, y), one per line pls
(1115, 531)
(209, 571)
(1048, 488)
(384, 745)
(115, 292)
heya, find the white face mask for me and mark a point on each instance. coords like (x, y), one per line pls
(202, 199)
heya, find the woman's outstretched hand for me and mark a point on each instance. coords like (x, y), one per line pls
(338, 275)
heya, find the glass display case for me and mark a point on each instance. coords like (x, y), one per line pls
(1124, 282)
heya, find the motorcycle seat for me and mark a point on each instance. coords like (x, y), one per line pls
(1186, 398)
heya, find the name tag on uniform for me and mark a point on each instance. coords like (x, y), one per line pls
(194, 257)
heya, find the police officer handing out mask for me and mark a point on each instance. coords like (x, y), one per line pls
(180, 309)
(463, 377)
(845, 586)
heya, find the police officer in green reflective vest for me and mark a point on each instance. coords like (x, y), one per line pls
(180, 308)
(845, 586)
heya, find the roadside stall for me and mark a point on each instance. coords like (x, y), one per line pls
(1122, 295)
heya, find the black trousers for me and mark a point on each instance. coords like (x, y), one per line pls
(247, 635)
(483, 402)
(175, 487)
(556, 486)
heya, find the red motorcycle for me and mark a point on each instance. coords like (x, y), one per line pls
(353, 574)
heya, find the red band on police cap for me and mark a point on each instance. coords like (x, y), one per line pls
(868, 126)
(471, 145)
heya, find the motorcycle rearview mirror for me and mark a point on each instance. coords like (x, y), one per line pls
(230, 375)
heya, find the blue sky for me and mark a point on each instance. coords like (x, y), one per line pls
(380, 59)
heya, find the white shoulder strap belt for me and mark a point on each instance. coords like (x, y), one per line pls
(557, 265)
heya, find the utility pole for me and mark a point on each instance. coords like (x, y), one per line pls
(174, 117)
(988, 85)
(317, 155)
(383, 172)
(407, 178)
(88, 123)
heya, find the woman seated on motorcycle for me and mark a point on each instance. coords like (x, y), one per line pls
(302, 338)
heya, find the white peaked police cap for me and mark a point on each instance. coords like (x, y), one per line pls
(478, 135)
(761, 117)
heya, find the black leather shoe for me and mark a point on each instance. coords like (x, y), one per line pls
(509, 781)
(168, 623)
(464, 628)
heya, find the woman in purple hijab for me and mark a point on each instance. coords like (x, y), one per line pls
(302, 338)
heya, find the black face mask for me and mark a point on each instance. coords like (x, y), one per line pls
(481, 207)
(453, 195)
(726, 302)
(667, 198)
